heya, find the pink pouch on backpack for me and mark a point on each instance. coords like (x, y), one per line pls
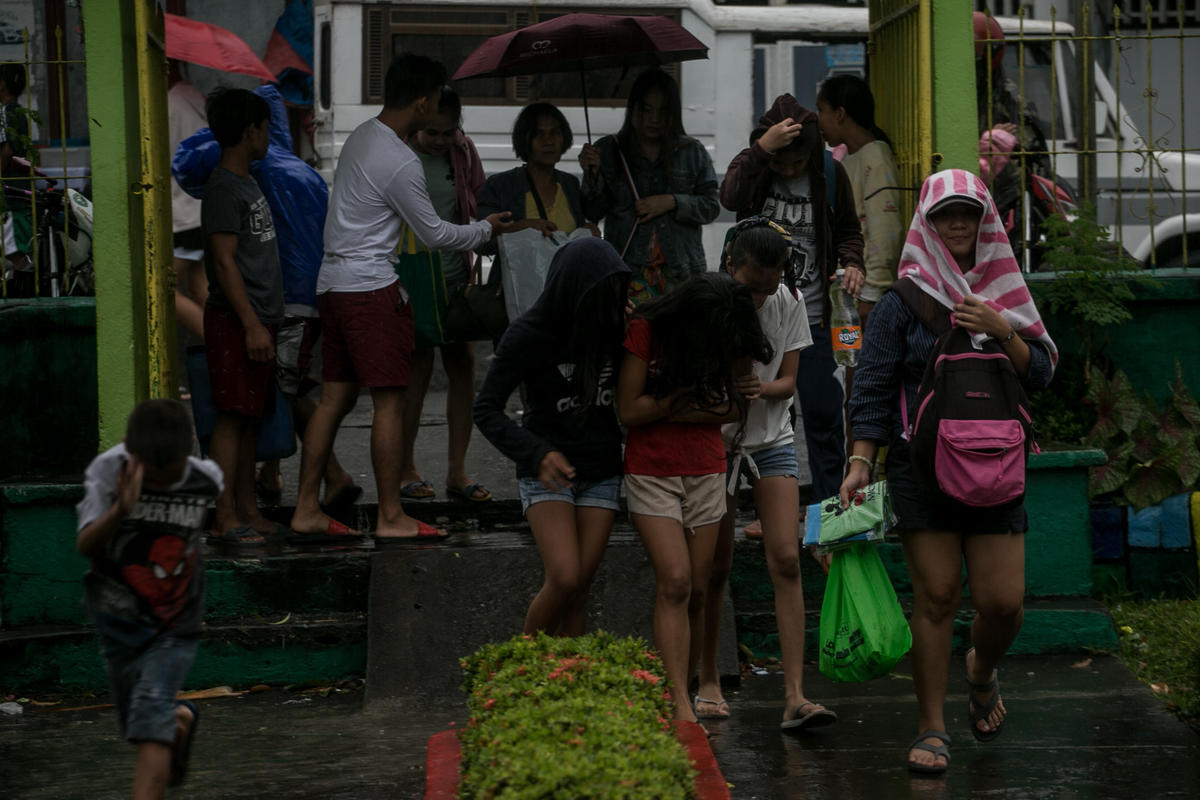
(981, 463)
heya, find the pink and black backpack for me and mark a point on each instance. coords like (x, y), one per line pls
(972, 430)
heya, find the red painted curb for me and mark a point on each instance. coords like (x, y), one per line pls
(442, 757)
(444, 754)
(710, 783)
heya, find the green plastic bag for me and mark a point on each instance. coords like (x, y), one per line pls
(420, 272)
(863, 630)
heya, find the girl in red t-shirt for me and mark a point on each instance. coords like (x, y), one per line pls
(676, 387)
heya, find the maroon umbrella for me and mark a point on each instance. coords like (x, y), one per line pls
(581, 42)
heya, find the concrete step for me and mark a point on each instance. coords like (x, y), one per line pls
(245, 651)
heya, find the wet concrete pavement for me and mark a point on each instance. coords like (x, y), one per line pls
(1074, 733)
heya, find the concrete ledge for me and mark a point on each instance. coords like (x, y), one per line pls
(431, 605)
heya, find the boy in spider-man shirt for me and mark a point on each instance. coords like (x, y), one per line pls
(140, 522)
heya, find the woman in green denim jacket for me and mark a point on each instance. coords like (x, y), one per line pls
(653, 212)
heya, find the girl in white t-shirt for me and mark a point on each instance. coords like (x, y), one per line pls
(756, 255)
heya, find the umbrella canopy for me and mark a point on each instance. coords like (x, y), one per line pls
(581, 42)
(211, 46)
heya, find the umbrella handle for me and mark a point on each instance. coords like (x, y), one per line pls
(587, 123)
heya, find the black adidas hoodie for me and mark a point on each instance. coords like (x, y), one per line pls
(533, 351)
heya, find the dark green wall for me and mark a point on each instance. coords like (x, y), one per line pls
(1165, 327)
(47, 388)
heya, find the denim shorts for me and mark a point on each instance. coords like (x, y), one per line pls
(144, 684)
(593, 494)
(774, 462)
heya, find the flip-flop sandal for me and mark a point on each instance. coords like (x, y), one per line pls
(346, 497)
(721, 708)
(468, 492)
(424, 531)
(942, 750)
(417, 490)
(181, 754)
(818, 717)
(978, 715)
(335, 531)
(242, 535)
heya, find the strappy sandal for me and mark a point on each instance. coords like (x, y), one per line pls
(942, 750)
(978, 715)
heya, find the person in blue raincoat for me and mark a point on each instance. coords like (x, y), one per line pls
(298, 198)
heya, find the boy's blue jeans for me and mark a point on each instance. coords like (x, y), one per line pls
(144, 683)
(820, 397)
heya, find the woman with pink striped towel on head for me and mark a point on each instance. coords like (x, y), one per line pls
(959, 313)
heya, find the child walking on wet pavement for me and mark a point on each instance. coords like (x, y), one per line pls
(675, 388)
(140, 523)
(756, 257)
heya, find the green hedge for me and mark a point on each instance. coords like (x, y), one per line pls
(570, 718)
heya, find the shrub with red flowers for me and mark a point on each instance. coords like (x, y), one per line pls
(570, 718)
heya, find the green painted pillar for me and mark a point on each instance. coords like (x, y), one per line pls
(955, 118)
(112, 91)
(126, 95)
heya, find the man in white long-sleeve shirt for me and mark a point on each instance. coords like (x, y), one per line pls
(367, 323)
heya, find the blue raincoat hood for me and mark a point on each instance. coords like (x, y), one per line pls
(296, 194)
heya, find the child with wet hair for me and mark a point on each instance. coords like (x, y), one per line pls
(140, 522)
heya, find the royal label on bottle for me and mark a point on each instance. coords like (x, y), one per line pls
(847, 337)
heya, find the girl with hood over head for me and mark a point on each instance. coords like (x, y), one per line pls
(959, 258)
(781, 176)
(568, 447)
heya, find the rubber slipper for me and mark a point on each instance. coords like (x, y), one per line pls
(721, 712)
(468, 492)
(334, 531)
(181, 754)
(818, 717)
(417, 490)
(937, 749)
(345, 497)
(242, 534)
(424, 531)
(980, 714)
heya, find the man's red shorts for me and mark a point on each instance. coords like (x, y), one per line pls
(239, 385)
(367, 337)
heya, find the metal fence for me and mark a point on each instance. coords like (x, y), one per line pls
(1099, 108)
(47, 214)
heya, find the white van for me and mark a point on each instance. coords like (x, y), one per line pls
(755, 53)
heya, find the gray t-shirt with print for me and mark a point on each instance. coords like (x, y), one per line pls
(789, 203)
(234, 204)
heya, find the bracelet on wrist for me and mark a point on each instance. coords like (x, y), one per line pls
(1011, 333)
(870, 462)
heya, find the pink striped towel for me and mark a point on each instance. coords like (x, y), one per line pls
(996, 278)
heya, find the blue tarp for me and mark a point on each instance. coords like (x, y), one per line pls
(297, 195)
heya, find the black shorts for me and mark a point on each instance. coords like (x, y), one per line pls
(919, 507)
